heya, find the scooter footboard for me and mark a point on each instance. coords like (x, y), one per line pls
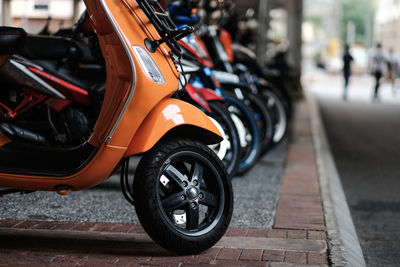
(174, 117)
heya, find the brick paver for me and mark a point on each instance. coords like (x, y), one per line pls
(257, 232)
(273, 255)
(299, 220)
(229, 254)
(208, 256)
(296, 257)
(121, 227)
(237, 232)
(58, 226)
(85, 226)
(316, 258)
(251, 255)
(26, 225)
(9, 223)
(277, 233)
(318, 235)
(297, 234)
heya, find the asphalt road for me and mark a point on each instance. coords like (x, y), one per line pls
(365, 140)
(255, 197)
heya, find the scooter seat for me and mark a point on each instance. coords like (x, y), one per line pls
(11, 39)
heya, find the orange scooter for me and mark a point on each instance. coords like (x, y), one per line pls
(181, 191)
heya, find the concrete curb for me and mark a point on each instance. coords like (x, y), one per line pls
(344, 246)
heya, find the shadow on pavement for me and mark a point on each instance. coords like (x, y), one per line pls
(82, 243)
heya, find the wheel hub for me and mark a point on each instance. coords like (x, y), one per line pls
(192, 193)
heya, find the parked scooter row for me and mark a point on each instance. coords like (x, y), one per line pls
(69, 120)
(73, 68)
(259, 109)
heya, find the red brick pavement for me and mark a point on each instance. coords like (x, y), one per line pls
(299, 206)
(103, 249)
(299, 218)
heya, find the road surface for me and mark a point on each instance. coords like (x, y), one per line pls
(365, 140)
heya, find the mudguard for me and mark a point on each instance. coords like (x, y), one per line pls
(177, 118)
(210, 95)
(202, 95)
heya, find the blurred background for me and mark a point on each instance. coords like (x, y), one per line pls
(315, 30)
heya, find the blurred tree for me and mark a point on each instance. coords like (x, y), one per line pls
(355, 11)
(316, 20)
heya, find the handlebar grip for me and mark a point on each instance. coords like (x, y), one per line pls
(183, 32)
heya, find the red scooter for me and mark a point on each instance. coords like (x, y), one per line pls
(52, 90)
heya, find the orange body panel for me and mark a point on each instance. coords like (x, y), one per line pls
(99, 168)
(134, 27)
(226, 41)
(3, 139)
(168, 114)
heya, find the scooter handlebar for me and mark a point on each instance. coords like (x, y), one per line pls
(183, 32)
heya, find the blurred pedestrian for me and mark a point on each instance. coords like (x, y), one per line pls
(378, 62)
(347, 59)
(392, 68)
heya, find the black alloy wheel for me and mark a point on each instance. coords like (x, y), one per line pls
(183, 196)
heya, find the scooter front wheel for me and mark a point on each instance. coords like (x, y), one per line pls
(228, 150)
(183, 196)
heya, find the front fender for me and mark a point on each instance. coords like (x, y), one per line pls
(176, 117)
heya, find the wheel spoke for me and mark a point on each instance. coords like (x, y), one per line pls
(208, 199)
(197, 172)
(175, 175)
(192, 215)
(173, 202)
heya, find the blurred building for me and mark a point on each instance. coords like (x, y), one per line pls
(326, 16)
(33, 15)
(321, 27)
(278, 21)
(283, 16)
(387, 24)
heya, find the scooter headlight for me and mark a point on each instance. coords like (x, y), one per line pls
(148, 65)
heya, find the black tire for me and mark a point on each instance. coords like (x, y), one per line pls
(165, 189)
(249, 153)
(284, 96)
(231, 142)
(264, 120)
(279, 114)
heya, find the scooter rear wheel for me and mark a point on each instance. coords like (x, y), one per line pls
(183, 196)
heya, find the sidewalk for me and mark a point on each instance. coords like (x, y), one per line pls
(296, 238)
